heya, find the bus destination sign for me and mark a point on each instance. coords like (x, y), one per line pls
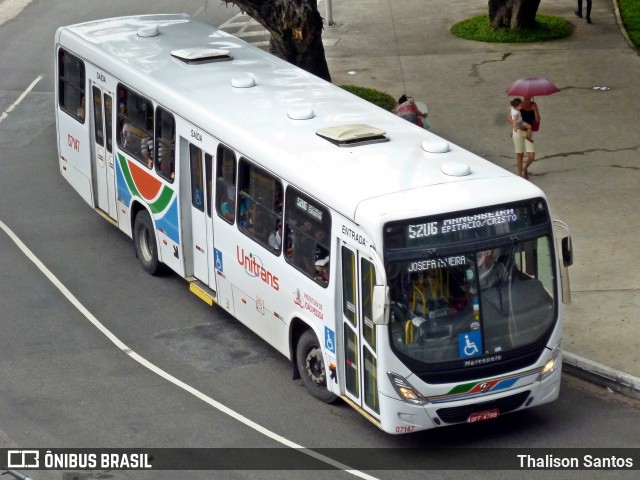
(464, 226)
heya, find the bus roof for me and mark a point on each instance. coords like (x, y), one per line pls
(271, 111)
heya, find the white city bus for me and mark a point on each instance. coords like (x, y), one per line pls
(407, 276)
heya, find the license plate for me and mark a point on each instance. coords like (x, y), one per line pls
(482, 416)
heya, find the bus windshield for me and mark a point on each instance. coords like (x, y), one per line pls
(474, 303)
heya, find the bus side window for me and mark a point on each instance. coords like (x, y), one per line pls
(258, 215)
(307, 235)
(165, 143)
(135, 125)
(197, 187)
(71, 85)
(226, 184)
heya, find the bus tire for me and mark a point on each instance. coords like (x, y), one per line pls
(311, 367)
(144, 241)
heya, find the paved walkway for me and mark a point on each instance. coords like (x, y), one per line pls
(587, 148)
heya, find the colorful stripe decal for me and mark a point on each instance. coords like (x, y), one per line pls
(143, 185)
(134, 181)
(468, 390)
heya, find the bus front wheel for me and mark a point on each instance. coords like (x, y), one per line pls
(144, 240)
(311, 367)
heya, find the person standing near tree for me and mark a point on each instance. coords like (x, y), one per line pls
(531, 115)
(578, 12)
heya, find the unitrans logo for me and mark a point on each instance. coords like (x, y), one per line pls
(253, 266)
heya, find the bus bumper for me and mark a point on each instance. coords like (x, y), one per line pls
(406, 418)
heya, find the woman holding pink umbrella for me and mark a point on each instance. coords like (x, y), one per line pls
(528, 88)
(531, 115)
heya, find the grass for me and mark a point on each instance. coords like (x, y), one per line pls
(630, 13)
(478, 29)
(381, 99)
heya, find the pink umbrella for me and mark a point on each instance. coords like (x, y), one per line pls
(532, 87)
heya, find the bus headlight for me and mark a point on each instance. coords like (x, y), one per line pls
(405, 390)
(552, 363)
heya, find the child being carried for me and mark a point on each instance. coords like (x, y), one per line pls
(518, 123)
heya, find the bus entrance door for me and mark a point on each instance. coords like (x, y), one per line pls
(359, 332)
(102, 151)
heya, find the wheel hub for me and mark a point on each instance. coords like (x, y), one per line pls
(315, 366)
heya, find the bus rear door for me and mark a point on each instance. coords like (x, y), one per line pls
(200, 165)
(359, 354)
(102, 151)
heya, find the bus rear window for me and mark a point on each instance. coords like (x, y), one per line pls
(71, 85)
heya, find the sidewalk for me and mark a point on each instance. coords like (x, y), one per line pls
(587, 146)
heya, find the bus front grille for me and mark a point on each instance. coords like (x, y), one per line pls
(503, 405)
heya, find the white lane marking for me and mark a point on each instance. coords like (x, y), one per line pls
(167, 376)
(6, 113)
(11, 8)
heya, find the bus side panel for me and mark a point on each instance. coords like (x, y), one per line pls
(255, 274)
(74, 152)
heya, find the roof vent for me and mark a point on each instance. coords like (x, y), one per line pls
(243, 82)
(455, 169)
(352, 134)
(202, 55)
(147, 32)
(300, 113)
(437, 145)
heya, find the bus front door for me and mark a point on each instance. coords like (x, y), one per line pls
(102, 151)
(359, 356)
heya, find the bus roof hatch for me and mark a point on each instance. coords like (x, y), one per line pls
(352, 134)
(201, 55)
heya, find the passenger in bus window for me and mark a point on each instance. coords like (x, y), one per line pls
(277, 204)
(322, 270)
(227, 204)
(321, 252)
(304, 248)
(146, 149)
(132, 141)
(248, 216)
(491, 272)
(275, 238)
(166, 161)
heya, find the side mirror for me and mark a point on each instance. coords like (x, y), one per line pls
(380, 304)
(567, 252)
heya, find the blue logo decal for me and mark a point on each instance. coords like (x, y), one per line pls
(330, 340)
(217, 255)
(469, 344)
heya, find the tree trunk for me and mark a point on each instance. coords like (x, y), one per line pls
(296, 31)
(513, 14)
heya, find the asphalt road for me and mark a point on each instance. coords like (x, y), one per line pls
(64, 383)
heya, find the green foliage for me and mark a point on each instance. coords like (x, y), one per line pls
(630, 13)
(477, 28)
(381, 99)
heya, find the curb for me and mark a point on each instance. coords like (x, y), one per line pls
(623, 30)
(601, 374)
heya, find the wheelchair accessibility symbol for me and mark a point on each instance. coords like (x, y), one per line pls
(217, 254)
(330, 340)
(469, 344)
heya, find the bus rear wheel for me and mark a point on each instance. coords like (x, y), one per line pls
(144, 240)
(311, 367)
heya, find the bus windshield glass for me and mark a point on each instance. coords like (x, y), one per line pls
(474, 303)
(467, 285)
